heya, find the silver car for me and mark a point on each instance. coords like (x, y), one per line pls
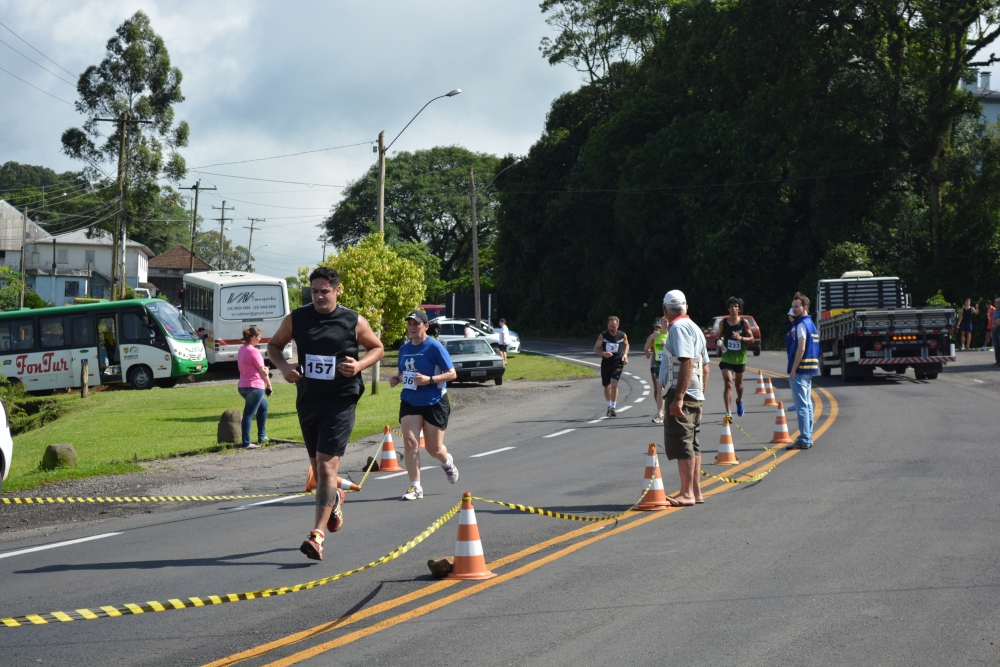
(475, 360)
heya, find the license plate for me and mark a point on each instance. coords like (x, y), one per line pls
(874, 353)
(478, 374)
(197, 367)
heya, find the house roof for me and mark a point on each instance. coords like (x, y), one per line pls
(178, 257)
(11, 224)
(101, 238)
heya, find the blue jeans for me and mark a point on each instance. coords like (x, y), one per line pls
(255, 402)
(802, 394)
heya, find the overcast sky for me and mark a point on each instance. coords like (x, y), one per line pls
(265, 78)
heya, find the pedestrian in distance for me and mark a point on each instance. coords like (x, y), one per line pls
(965, 323)
(995, 331)
(735, 335)
(654, 352)
(467, 331)
(254, 386)
(424, 367)
(328, 385)
(987, 339)
(802, 346)
(504, 340)
(612, 347)
(684, 371)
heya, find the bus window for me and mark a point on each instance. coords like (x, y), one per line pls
(134, 329)
(82, 331)
(52, 332)
(23, 334)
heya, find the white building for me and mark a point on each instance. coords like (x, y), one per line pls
(82, 265)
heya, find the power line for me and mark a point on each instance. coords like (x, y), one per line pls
(38, 52)
(36, 63)
(36, 87)
(275, 157)
(268, 180)
(294, 208)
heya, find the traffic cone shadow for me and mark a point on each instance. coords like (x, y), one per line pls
(470, 562)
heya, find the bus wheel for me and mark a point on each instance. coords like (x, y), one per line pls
(140, 377)
(166, 383)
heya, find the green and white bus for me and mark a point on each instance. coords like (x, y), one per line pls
(143, 342)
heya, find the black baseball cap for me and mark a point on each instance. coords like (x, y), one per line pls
(418, 315)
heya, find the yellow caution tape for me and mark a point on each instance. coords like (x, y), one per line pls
(175, 603)
(139, 499)
(569, 517)
(756, 478)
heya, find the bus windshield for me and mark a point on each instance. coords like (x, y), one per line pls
(172, 321)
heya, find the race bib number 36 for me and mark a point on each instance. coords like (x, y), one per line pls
(734, 345)
(319, 367)
(409, 380)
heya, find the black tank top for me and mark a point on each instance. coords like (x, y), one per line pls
(322, 342)
(728, 329)
(966, 315)
(619, 340)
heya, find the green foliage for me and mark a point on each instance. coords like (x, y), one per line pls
(11, 284)
(32, 300)
(136, 80)
(939, 301)
(294, 291)
(206, 246)
(426, 201)
(379, 284)
(420, 255)
(843, 257)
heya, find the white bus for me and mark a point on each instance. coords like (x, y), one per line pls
(226, 302)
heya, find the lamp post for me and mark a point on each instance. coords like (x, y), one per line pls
(380, 210)
(475, 239)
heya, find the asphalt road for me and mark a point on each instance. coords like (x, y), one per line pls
(876, 547)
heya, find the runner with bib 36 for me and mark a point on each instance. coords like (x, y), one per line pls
(734, 335)
(328, 382)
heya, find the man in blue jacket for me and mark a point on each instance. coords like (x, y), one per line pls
(802, 345)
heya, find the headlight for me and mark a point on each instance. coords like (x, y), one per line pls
(498, 362)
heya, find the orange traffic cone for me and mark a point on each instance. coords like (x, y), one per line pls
(654, 499)
(769, 396)
(422, 445)
(388, 462)
(761, 388)
(780, 426)
(470, 563)
(345, 484)
(727, 453)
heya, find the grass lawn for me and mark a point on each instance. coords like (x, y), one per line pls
(113, 430)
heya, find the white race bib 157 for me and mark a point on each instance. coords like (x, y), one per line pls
(319, 367)
(734, 345)
(409, 379)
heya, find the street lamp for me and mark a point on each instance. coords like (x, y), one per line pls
(380, 216)
(475, 239)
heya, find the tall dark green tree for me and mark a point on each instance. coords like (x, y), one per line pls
(135, 80)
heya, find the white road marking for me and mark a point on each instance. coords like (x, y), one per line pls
(57, 544)
(558, 356)
(599, 419)
(645, 393)
(397, 474)
(627, 407)
(562, 432)
(638, 400)
(495, 451)
(979, 381)
(263, 502)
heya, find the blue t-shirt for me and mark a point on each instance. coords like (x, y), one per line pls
(429, 358)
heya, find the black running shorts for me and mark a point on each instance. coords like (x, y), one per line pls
(326, 427)
(736, 368)
(436, 415)
(611, 369)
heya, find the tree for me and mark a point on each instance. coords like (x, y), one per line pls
(11, 284)
(135, 81)
(379, 284)
(206, 246)
(426, 201)
(420, 255)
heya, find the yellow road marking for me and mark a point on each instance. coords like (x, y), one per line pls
(438, 586)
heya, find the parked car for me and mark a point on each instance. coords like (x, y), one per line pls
(455, 329)
(475, 360)
(6, 445)
(513, 345)
(712, 335)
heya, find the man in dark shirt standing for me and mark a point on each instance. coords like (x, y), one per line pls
(328, 382)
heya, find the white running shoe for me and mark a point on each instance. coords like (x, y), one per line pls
(450, 470)
(414, 493)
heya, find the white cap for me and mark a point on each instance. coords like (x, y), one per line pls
(674, 298)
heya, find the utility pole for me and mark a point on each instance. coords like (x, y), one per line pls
(24, 245)
(475, 250)
(222, 230)
(250, 242)
(194, 218)
(380, 217)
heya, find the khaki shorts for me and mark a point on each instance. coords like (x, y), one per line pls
(681, 435)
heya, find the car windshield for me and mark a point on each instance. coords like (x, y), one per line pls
(457, 347)
(172, 321)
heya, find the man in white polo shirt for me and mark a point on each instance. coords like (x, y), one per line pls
(685, 372)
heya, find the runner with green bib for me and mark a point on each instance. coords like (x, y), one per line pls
(734, 335)
(654, 352)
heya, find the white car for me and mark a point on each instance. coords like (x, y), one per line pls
(513, 342)
(6, 445)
